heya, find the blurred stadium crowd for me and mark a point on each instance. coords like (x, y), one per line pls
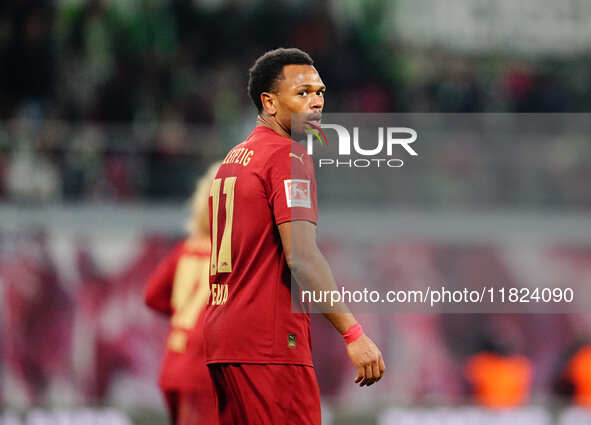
(102, 99)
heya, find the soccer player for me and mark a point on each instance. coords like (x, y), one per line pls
(179, 288)
(263, 215)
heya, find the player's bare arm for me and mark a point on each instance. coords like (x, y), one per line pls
(312, 272)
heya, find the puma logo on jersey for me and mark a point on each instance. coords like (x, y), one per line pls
(301, 157)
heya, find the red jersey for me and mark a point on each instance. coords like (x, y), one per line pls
(176, 289)
(266, 180)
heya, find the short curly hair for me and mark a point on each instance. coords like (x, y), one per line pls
(265, 72)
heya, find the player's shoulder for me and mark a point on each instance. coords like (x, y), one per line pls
(176, 252)
(267, 140)
(197, 246)
(276, 146)
(261, 150)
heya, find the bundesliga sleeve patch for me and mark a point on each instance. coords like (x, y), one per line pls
(297, 193)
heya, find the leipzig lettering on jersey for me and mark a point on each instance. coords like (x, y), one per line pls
(265, 181)
(240, 156)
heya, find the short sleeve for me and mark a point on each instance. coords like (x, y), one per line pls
(158, 291)
(292, 185)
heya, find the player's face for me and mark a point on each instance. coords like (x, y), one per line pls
(300, 96)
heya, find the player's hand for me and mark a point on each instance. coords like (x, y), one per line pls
(367, 359)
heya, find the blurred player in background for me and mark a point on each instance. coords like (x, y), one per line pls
(263, 228)
(179, 288)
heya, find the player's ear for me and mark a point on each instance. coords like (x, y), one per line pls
(269, 101)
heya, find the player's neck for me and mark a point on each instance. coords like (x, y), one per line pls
(270, 122)
(199, 242)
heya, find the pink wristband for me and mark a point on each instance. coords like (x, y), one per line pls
(353, 333)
